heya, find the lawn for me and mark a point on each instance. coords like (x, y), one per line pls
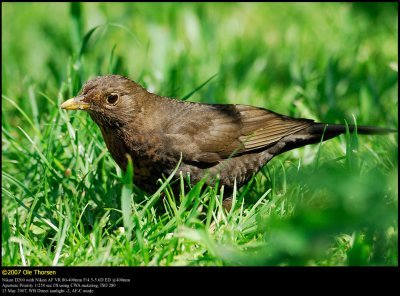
(66, 203)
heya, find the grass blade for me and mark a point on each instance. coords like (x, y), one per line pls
(198, 88)
(86, 40)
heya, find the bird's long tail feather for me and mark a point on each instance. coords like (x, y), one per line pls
(333, 130)
(317, 131)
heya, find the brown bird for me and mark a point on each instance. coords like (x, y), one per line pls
(232, 141)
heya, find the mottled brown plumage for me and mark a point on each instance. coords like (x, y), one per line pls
(233, 141)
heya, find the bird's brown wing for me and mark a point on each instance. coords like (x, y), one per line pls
(262, 127)
(210, 133)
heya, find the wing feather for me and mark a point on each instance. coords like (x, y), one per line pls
(209, 133)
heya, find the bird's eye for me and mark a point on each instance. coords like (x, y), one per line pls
(112, 99)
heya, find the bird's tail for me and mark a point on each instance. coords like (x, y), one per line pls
(332, 130)
(322, 131)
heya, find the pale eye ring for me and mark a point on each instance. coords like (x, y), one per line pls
(112, 99)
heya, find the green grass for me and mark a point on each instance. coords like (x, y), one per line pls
(65, 202)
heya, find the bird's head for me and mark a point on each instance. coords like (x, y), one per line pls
(111, 100)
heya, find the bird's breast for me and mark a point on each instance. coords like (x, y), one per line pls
(115, 145)
(149, 156)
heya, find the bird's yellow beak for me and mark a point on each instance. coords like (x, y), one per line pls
(76, 103)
